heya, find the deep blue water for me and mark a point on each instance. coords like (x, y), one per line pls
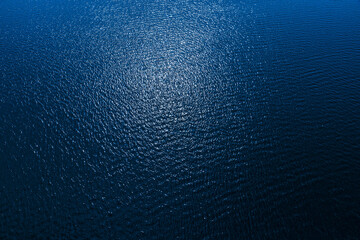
(179, 119)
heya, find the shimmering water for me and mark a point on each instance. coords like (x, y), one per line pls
(179, 119)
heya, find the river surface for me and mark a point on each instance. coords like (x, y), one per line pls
(179, 119)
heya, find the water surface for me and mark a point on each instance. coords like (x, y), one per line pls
(179, 119)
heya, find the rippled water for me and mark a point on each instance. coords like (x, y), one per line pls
(179, 119)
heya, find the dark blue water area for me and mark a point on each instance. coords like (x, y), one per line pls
(179, 119)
